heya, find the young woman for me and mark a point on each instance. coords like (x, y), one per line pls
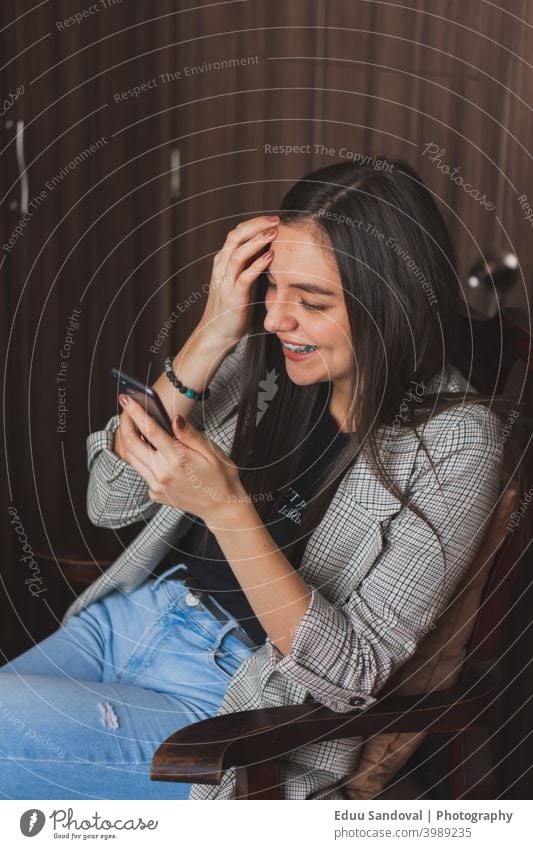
(306, 526)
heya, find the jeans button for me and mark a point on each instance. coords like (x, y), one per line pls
(191, 600)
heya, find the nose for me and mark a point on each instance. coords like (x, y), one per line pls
(279, 317)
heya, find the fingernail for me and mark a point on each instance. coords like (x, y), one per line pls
(268, 232)
(180, 422)
(124, 400)
(268, 255)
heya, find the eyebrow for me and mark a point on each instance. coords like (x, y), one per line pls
(312, 288)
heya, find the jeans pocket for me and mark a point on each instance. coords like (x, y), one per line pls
(228, 653)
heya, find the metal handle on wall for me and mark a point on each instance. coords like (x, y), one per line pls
(24, 189)
(175, 176)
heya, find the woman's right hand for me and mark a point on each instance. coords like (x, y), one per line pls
(228, 301)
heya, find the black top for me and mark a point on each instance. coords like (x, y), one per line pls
(215, 575)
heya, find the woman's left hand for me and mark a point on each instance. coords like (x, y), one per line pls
(190, 472)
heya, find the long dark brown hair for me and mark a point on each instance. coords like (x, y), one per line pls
(401, 292)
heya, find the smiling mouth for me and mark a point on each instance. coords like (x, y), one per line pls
(301, 354)
(299, 349)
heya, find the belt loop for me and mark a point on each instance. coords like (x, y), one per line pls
(231, 626)
(216, 610)
(168, 572)
(227, 628)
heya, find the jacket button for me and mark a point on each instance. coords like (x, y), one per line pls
(191, 600)
(356, 700)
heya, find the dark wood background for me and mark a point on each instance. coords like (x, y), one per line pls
(112, 238)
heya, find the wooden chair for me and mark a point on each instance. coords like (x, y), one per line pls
(454, 758)
(253, 741)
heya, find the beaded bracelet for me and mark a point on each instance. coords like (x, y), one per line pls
(190, 393)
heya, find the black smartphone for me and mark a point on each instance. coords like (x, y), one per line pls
(145, 396)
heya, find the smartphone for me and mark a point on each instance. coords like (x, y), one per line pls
(145, 396)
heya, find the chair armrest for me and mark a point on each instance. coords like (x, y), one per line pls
(75, 568)
(203, 751)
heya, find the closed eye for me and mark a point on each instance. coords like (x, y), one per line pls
(312, 307)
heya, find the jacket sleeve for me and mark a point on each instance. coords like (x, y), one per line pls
(116, 494)
(344, 653)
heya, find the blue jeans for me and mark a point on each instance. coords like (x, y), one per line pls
(83, 711)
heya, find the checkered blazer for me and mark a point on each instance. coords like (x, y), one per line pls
(377, 573)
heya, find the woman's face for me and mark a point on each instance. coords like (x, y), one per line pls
(298, 315)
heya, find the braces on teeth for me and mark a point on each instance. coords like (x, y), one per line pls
(299, 348)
